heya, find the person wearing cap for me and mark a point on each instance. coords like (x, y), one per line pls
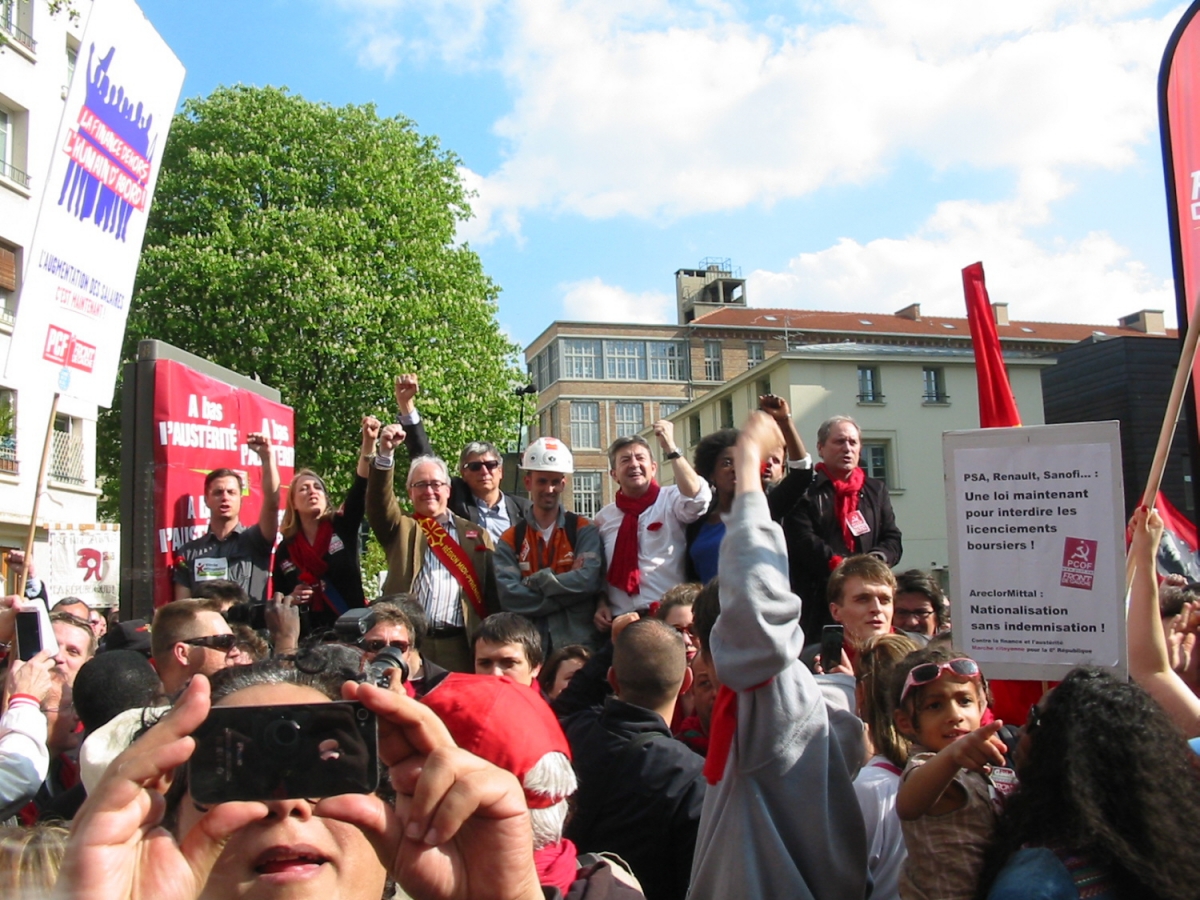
(550, 563)
(475, 492)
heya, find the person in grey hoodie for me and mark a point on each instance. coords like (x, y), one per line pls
(780, 818)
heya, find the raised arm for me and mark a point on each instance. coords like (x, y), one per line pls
(268, 515)
(1149, 664)
(366, 452)
(777, 408)
(686, 479)
(758, 633)
(416, 441)
(383, 512)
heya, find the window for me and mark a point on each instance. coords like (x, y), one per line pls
(72, 59)
(727, 412)
(15, 18)
(713, 371)
(868, 385)
(585, 488)
(8, 283)
(694, 429)
(66, 455)
(631, 418)
(585, 425)
(554, 431)
(580, 358)
(763, 387)
(934, 386)
(874, 459)
(625, 360)
(756, 352)
(668, 409)
(668, 360)
(12, 146)
(8, 431)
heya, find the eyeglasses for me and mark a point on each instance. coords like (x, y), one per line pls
(427, 485)
(1034, 720)
(222, 642)
(930, 672)
(919, 614)
(480, 464)
(376, 644)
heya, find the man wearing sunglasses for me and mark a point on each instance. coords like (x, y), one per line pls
(189, 637)
(475, 492)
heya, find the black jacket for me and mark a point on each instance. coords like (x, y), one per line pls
(462, 501)
(814, 538)
(640, 794)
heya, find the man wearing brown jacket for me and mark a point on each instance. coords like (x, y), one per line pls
(442, 560)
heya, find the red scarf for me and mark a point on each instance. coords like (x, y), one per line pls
(557, 864)
(721, 730)
(310, 558)
(623, 571)
(845, 499)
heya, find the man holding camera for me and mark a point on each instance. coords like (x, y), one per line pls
(441, 559)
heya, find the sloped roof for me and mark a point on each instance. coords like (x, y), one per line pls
(927, 326)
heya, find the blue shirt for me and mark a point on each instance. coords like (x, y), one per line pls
(706, 548)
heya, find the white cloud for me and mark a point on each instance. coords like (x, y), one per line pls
(591, 300)
(1093, 279)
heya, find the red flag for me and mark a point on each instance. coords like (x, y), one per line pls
(997, 408)
(1177, 552)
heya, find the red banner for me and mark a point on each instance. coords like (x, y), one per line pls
(997, 407)
(200, 424)
(1179, 122)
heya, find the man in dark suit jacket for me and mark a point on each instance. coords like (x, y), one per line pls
(475, 491)
(452, 611)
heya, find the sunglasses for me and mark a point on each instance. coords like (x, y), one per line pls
(377, 644)
(222, 642)
(480, 464)
(927, 673)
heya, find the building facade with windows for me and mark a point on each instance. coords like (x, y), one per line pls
(901, 418)
(596, 381)
(37, 61)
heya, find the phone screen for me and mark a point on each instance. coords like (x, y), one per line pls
(832, 637)
(279, 752)
(29, 635)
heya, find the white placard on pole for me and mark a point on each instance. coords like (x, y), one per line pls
(81, 264)
(1035, 517)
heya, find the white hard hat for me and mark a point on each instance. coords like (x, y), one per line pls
(548, 454)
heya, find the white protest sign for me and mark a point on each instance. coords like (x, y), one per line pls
(83, 259)
(1037, 550)
(85, 563)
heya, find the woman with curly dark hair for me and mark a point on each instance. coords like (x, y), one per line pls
(1108, 803)
(713, 461)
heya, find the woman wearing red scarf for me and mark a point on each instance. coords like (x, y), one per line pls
(317, 564)
(843, 513)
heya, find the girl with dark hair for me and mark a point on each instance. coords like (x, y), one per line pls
(714, 463)
(1108, 804)
(316, 563)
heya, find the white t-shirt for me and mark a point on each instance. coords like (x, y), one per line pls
(661, 543)
(876, 787)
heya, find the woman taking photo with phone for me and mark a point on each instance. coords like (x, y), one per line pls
(316, 563)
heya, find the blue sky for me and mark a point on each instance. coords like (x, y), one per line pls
(849, 155)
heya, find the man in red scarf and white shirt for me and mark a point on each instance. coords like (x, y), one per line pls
(643, 529)
(843, 513)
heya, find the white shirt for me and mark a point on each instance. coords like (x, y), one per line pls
(438, 590)
(876, 788)
(660, 549)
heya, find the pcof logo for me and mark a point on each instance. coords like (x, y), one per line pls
(1079, 563)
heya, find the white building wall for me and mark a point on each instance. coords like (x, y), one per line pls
(32, 90)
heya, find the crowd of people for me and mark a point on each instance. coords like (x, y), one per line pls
(717, 687)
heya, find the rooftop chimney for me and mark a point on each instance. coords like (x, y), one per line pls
(912, 311)
(1147, 321)
(1000, 313)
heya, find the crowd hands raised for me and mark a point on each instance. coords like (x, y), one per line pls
(674, 719)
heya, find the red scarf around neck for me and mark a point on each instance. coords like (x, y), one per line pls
(623, 571)
(557, 864)
(310, 558)
(845, 499)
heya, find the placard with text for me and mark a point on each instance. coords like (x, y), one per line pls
(1035, 518)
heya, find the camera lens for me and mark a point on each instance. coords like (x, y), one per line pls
(363, 715)
(283, 733)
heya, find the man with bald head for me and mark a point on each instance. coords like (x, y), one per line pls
(189, 637)
(626, 760)
(443, 560)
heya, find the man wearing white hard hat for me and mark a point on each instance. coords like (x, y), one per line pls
(550, 563)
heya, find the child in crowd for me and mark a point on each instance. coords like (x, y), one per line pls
(947, 797)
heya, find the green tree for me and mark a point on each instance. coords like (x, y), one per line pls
(313, 247)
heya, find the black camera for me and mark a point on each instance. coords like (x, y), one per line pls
(353, 624)
(281, 752)
(252, 614)
(375, 672)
